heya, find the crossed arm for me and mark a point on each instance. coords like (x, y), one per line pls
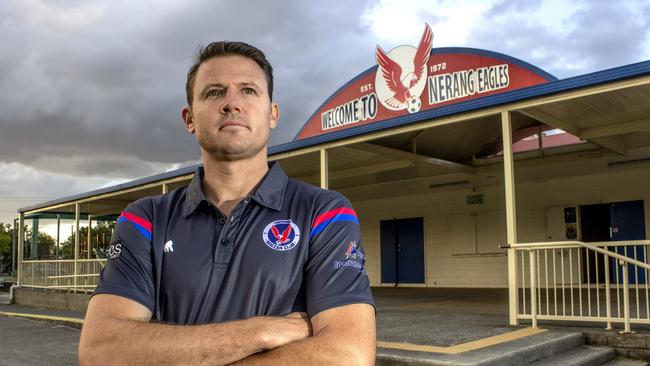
(117, 331)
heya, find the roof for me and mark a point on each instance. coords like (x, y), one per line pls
(552, 116)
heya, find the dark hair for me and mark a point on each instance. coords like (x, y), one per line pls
(226, 48)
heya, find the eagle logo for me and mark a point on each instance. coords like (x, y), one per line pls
(281, 235)
(285, 234)
(402, 73)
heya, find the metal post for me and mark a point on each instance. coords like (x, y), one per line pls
(21, 247)
(511, 214)
(626, 299)
(324, 169)
(533, 288)
(89, 244)
(14, 244)
(33, 253)
(608, 300)
(77, 237)
(58, 235)
(165, 188)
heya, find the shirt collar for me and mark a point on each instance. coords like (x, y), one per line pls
(269, 193)
(194, 194)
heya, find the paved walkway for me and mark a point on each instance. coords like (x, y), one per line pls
(443, 325)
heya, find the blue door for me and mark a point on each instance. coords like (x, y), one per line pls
(402, 251)
(627, 222)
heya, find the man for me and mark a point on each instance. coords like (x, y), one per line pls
(242, 266)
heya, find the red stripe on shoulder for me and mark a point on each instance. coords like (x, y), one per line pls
(138, 220)
(329, 214)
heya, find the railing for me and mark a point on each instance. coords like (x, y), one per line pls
(79, 275)
(574, 281)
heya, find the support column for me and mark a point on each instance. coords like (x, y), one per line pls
(14, 244)
(511, 214)
(165, 188)
(21, 247)
(33, 253)
(324, 169)
(89, 243)
(77, 237)
(58, 235)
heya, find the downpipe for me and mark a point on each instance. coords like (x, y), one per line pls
(11, 293)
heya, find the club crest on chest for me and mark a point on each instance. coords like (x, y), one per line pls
(281, 235)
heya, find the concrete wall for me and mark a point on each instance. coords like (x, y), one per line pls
(450, 223)
(57, 300)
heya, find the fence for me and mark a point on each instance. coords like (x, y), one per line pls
(575, 281)
(79, 275)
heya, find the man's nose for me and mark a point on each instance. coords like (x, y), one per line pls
(231, 102)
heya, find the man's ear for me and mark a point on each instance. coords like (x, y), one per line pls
(275, 115)
(188, 119)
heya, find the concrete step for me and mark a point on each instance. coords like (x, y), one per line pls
(625, 362)
(579, 356)
(534, 348)
(514, 353)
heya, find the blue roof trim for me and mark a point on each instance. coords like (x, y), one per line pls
(438, 51)
(553, 87)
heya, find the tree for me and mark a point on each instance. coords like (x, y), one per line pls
(45, 249)
(100, 237)
(6, 234)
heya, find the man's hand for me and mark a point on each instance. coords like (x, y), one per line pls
(343, 335)
(290, 328)
(117, 332)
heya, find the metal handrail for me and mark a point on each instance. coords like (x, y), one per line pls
(46, 281)
(576, 243)
(533, 247)
(64, 260)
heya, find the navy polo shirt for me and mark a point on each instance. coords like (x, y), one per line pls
(288, 247)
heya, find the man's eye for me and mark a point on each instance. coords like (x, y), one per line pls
(250, 91)
(214, 93)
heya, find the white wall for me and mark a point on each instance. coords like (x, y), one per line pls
(445, 210)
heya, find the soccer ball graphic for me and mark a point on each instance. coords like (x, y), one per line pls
(413, 105)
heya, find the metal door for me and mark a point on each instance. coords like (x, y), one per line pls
(402, 251)
(627, 222)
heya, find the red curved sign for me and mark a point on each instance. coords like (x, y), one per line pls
(401, 84)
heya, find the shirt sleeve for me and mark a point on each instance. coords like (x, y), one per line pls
(129, 271)
(335, 274)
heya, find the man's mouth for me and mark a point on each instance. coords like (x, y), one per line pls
(232, 124)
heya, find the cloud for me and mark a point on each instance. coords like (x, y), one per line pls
(101, 84)
(566, 38)
(23, 185)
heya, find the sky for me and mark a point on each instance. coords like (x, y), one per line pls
(91, 91)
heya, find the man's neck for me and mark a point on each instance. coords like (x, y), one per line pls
(225, 183)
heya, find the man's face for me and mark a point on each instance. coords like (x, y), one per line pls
(231, 113)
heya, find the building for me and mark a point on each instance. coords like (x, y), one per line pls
(454, 160)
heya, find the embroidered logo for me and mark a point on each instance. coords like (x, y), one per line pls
(281, 235)
(114, 250)
(354, 257)
(169, 246)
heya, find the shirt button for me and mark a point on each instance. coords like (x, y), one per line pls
(224, 242)
(222, 220)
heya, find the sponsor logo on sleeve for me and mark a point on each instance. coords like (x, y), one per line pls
(281, 235)
(354, 257)
(114, 250)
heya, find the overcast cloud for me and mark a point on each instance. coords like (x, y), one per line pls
(91, 91)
